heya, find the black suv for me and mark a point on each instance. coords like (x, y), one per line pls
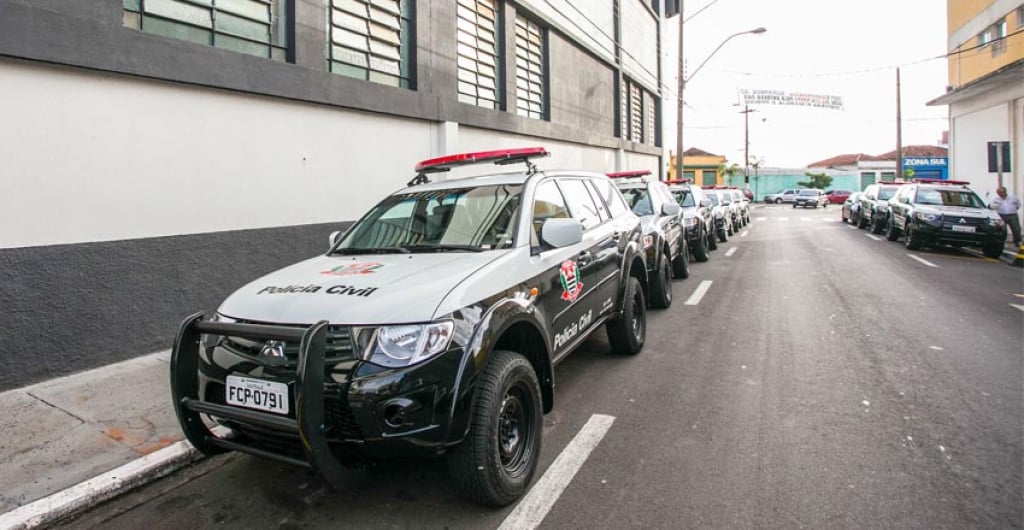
(432, 326)
(697, 217)
(874, 205)
(662, 227)
(933, 211)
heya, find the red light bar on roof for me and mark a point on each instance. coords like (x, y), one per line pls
(943, 181)
(708, 187)
(499, 156)
(678, 181)
(627, 174)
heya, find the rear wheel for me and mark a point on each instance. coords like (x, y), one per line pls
(626, 334)
(495, 463)
(661, 285)
(723, 235)
(681, 263)
(712, 240)
(778, 201)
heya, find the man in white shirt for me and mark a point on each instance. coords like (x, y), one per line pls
(1006, 206)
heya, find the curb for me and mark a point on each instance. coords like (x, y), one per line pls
(89, 493)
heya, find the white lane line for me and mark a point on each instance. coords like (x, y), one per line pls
(851, 227)
(760, 218)
(926, 262)
(805, 219)
(702, 289)
(876, 238)
(745, 233)
(783, 218)
(1018, 306)
(542, 496)
(731, 252)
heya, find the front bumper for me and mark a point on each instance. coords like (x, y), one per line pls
(341, 412)
(983, 235)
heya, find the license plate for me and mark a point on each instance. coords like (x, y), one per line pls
(962, 228)
(257, 394)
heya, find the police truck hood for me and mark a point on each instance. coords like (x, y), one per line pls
(368, 289)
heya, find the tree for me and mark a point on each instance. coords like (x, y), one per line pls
(817, 180)
(731, 170)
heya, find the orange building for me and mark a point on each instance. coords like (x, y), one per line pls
(702, 167)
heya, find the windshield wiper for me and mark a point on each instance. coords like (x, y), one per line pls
(434, 247)
(378, 250)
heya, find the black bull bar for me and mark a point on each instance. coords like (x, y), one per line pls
(309, 394)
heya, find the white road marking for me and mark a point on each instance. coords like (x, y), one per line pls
(926, 262)
(731, 252)
(872, 236)
(530, 511)
(702, 289)
(805, 219)
(745, 233)
(783, 218)
(1018, 306)
(937, 348)
(760, 218)
(851, 227)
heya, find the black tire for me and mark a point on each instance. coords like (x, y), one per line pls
(495, 463)
(862, 223)
(661, 285)
(711, 240)
(910, 238)
(723, 235)
(992, 251)
(778, 201)
(877, 227)
(794, 206)
(626, 334)
(700, 249)
(891, 232)
(681, 264)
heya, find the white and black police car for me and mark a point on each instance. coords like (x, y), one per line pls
(431, 327)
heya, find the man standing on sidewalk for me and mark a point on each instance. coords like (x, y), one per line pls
(1006, 206)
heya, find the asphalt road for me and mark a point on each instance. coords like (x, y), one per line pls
(825, 379)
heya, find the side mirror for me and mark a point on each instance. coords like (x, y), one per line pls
(705, 203)
(670, 208)
(333, 238)
(560, 233)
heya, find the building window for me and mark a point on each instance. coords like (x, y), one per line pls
(638, 116)
(256, 27)
(999, 45)
(372, 40)
(985, 37)
(1020, 17)
(479, 53)
(531, 69)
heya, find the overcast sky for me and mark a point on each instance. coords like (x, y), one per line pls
(849, 49)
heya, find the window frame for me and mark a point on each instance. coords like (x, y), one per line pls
(377, 24)
(544, 73)
(466, 43)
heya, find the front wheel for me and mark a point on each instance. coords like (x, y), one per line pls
(661, 285)
(778, 201)
(712, 240)
(626, 334)
(891, 232)
(910, 237)
(878, 226)
(495, 463)
(993, 250)
(723, 235)
(700, 249)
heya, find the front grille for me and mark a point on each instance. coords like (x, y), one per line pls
(337, 348)
(948, 222)
(339, 420)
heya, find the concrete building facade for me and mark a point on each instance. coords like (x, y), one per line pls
(160, 153)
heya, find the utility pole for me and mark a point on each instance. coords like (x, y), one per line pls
(899, 130)
(746, 142)
(679, 109)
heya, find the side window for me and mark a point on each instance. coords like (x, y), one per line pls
(548, 203)
(602, 209)
(581, 205)
(612, 197)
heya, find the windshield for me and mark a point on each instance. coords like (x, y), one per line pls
(725, 198)
(639, 200)
(886, 193)
(963, 198)
(808, 193)
(684, 198)
(713, 197)
(467, 219)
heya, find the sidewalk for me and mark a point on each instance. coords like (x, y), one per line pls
(58, 433)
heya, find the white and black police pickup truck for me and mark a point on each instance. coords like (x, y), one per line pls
(430, 327)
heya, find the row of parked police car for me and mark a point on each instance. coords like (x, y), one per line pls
(432, 325)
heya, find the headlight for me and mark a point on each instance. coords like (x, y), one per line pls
(928, 217)
(209, 341)
(992, 221)
(408, 344)
(648, 241)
